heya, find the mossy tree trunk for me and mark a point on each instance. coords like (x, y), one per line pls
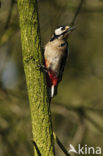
(36, 84)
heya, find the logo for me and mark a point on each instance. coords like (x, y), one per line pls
(84, 149)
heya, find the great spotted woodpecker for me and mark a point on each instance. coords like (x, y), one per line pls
(55, 55)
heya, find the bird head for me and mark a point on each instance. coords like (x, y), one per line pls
(63, 32)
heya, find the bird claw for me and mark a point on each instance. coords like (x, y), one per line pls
(43, 68)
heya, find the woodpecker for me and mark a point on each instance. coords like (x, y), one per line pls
(55, 55)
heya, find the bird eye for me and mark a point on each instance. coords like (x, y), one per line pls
(62, 28)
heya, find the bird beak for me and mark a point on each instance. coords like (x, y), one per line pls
(70, 29)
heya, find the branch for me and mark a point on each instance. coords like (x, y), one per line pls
(81, 111)
(63, 107)
(61, 145)
(77, 12)
(35, 79)
(94, 123)
(9, 31)
(36, 147)
(9, 15)
(8, 34)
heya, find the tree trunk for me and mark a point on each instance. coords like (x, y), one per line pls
(36, 83)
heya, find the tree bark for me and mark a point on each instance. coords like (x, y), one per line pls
(36, 83)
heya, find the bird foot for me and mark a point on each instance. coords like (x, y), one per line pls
(43, 68)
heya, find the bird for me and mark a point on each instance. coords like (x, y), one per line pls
(55, 56)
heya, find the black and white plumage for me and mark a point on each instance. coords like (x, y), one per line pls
(55, 54)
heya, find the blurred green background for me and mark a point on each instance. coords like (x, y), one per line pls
(77, 110)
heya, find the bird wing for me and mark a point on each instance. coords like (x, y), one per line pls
(63, 62)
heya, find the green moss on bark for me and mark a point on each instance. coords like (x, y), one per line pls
(36, 84)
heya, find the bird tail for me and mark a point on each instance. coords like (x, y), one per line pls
(53, 91)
